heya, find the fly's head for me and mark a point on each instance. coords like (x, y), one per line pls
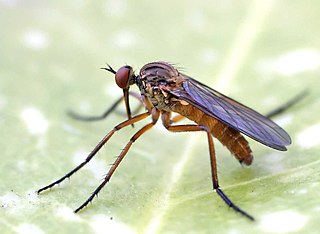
(124, 77)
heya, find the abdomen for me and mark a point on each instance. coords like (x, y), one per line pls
(229, 137)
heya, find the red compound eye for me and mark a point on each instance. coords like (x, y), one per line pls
(123, 76)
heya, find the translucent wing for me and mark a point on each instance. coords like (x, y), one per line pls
(233, 114)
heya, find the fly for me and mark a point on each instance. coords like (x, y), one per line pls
(164, 90)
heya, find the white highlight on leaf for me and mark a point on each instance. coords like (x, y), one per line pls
(293, 62)
(96, 166)
(70, 129)
(125, 39)
(316, 208)
(116, 8)
(208, 55)
(302, 191)
(10, 3)
(102, 224)
(309, 137)
(27, 228)
(273, 162)
(9, 199)
(246, 35)
(31, 197)
(113, 90)
(234, 231)
(197, 20)
(21, 165)
(35, 39)
(176, 174)
(15, 204)
(283, 222)
(283, 119)
(35, 121)
(67, 214)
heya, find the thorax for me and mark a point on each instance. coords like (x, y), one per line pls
(154, 81)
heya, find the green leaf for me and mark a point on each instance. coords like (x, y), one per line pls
(261, 53)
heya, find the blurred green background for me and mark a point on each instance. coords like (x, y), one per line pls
(258, 52)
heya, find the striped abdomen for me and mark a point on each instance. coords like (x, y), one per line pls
(229, 137)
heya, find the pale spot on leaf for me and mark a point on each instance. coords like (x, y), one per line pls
(283, 119)
(116, 8)
(293, 62)
(125, 39)
(283, 222)
(97, 166)
(36, 39)
(208, 56)
(67, 214)
(197, 20)
(10, 199)
(309, 137)
(27, 228)
(10, 3)
(101, 223)
(35, 121)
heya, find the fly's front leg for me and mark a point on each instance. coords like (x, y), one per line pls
(195, 128)
(97, 148)
(155, 116)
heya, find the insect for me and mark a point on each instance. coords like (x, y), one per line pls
(163, 90)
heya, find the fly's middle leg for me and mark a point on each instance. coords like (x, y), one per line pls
(167, 122)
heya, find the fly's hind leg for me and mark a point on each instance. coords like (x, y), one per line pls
(176, 118)
(106, 113)
(287, 105)
(167, 121)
